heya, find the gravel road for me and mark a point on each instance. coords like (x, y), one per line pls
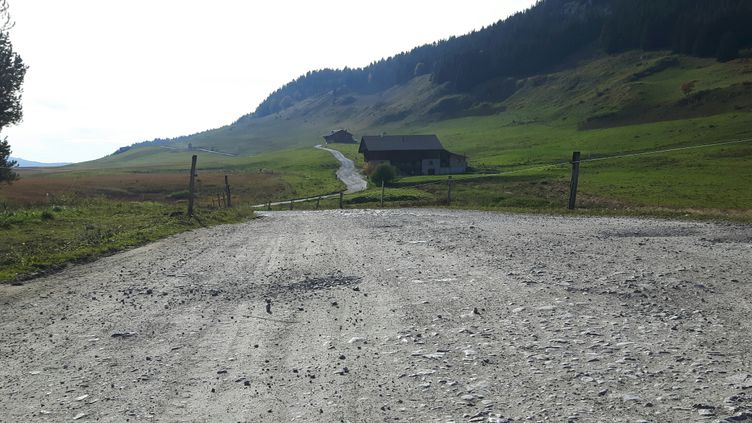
(347, 172)
(385, 315)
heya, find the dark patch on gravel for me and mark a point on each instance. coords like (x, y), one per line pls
(323, 282)
(742, 235)
(663, 232)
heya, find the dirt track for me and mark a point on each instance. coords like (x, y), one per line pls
(410, 315)
(347, 173)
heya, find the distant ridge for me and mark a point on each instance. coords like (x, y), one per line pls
(31, 163)
(502, 69)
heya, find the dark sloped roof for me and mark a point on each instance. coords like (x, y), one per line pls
(400, 142)
(338, 131)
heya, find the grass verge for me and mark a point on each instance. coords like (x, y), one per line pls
(39, 240)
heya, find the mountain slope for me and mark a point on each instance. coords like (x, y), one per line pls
(475, 73)
(598, 102)
(31, 163)
(602, 92)
(597, 92)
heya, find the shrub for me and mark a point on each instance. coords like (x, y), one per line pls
(688, 87)
(47, 215)
(383, 173)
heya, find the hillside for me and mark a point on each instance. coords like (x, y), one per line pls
(603, 98)
(558, 111)
(30, 163)
(472, 74)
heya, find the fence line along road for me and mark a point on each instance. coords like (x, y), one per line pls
(297, 200)
(577, 161)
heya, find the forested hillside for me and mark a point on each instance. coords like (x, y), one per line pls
(538, 40)
(475, 74)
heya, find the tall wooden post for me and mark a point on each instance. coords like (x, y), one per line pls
(227, 193)
(192, 185)
(382, 194)
(575, 178)
(341, 199)
(449, 191)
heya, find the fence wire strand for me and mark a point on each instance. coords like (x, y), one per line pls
(526, 169)
(619, 156)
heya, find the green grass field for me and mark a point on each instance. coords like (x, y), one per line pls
(42, 239)
(603, 107)
(542, 124)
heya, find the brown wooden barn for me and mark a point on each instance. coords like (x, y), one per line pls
(340, 136)
(412, 154)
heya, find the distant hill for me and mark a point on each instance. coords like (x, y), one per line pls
(510, 66)
(31, 163)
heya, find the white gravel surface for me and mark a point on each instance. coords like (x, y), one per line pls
(347, 173)
(394, 315)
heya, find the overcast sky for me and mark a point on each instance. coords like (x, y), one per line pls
(105, 73)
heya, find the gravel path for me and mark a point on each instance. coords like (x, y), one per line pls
(347, 173)
(385, 315)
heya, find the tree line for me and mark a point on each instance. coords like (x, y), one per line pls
(538, 39)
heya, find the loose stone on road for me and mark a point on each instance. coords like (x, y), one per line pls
(341, 315)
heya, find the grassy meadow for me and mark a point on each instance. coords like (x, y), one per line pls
(611, 106)
(59, 215)
(518, 150)
(40, 239)
(161, 175)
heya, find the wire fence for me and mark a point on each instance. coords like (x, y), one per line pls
(448, 191)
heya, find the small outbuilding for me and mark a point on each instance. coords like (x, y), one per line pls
(340, 136)
(412, 154)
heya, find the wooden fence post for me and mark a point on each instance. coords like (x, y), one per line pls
(449, 191)
(192, 185)
(269, 205)
(341, 198)
(290, 204)
(382, 194)
(575, 179)
(227, 193)
(318, 200)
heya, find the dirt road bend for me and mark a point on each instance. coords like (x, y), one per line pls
(409, 315)
(347, 173)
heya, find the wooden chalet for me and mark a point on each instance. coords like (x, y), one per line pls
(412, 154)
(340, 136)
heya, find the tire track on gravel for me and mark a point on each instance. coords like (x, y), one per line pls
(437, 315)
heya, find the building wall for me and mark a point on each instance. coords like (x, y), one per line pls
(457, 164)
(430, 166)
(418, 162)
(451, 170)
(339, 136)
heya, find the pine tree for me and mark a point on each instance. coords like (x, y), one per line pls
(728, 48)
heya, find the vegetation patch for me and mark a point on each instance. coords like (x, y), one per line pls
(37, 240)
